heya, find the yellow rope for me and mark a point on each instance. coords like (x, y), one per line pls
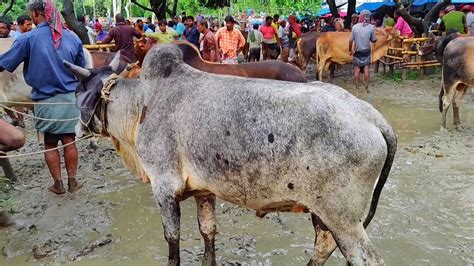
(35, 117)
(43, 151)
(37, 103)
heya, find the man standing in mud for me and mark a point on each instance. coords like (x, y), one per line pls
(43, 51)
(362, 35)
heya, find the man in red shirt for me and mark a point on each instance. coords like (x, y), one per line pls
(270, 36)
(208, 42)
(123, 36)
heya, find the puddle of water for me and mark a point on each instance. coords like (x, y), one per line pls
(416, 119)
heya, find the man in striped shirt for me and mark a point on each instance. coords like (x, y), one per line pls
(229, 41)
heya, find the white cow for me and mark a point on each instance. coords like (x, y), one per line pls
(13, 87)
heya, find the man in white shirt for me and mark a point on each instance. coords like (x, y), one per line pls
(467, 9)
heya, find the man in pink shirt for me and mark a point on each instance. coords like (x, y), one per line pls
(270, 36)
(402, 25)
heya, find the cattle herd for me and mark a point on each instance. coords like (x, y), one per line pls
(258, 135)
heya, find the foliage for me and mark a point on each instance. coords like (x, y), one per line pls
(17, 10)
(207, 7)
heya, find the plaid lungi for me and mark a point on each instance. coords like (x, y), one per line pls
(59, 111)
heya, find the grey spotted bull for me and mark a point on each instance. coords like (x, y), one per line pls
(262, 144)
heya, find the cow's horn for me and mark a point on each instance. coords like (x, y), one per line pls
(79, 72)
(115, 64)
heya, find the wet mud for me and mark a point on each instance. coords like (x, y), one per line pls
(424, 215)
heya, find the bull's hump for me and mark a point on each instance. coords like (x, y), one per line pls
(161, 60)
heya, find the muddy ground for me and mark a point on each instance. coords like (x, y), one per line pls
(425, 214)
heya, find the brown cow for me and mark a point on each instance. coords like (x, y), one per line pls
(333, 47)
(306, 48)
(271, 69)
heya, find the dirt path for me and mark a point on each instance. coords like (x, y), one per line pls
(425, 214)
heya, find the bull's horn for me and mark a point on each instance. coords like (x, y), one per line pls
(115, 62)
(79, 72)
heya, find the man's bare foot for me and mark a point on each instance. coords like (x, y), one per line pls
(73, 185)
(57, 188)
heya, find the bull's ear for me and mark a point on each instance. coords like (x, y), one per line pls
(79, 72)
(115, 64)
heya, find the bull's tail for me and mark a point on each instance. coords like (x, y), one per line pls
(440, 99)
(441, 93)
(391, 140)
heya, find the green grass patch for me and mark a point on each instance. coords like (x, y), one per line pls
(411, 75)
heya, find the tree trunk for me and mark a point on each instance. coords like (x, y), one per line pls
(175, 8)
(72, 22)
(333, 8)
(114, 7)
(351, 8)
(7, 9)
(127, 8)
(94, 9)
(418, 24)
(119, 6)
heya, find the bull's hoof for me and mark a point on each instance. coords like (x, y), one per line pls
(92, 146)
(459, 127)
(15, 123)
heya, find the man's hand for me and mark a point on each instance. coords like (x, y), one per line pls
(351, 53)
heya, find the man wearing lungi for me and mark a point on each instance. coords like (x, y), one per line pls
(42, 51)
(362, 35)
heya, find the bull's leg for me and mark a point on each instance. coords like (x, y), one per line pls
(447, 100)
(12, 115)
(206, 211)
(21, 118)
(319, 69)
(456, 102)
(324, 243)
(355, 245)
(170, 216)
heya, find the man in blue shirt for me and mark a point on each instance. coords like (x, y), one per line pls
(42, 52)
(191, 33)
(24, 25)
(179, 27)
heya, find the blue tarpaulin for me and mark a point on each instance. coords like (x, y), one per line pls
(423, 2)
(462, 1)
(372, 6)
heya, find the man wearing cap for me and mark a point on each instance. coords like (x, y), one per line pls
(362, 35)
(43, 51)
(453, 20)
(229, 41)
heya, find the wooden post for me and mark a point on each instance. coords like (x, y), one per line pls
(7, 169)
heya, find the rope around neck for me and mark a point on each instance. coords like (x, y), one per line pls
(3, 154)
(35, 117)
